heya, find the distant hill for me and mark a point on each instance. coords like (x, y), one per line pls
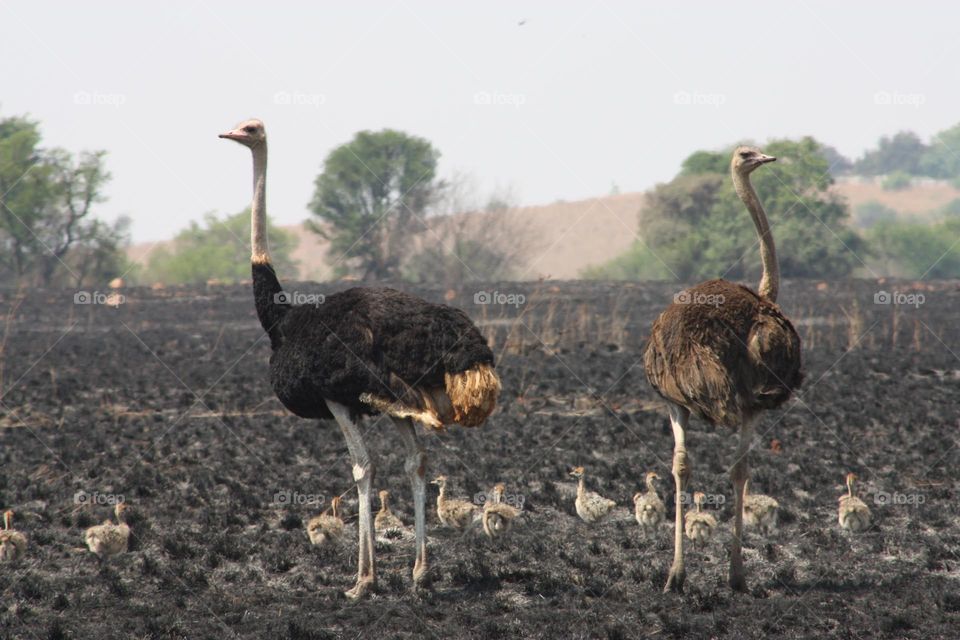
(566, 237)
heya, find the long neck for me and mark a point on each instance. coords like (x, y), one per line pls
(260, 254)
(6, 521)
(770, 280)
(850, 488)
(581, 486)
(650, 487)
(383, 504)
(266, 286)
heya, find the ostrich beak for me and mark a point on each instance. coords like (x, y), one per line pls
(764, 159)
(235, 134)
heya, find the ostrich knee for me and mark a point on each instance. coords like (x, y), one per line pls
(681, 468)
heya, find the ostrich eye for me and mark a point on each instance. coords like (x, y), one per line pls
(744, 154)
(250, 129)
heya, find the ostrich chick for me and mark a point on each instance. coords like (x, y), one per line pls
(109, 539)
(853, 514)
(386, 521)
(648, 506)
(759, 511)
(498, 515)
(326, 527)
(591, 507)
(699, 524)
(13, 544)
(456, 514)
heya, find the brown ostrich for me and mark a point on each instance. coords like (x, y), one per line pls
(724, 353)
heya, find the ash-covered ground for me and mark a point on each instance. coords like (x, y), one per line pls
(164, 400)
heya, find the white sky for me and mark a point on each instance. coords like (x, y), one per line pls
(582, 95)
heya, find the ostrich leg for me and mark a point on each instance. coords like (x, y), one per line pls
(681, 475)
(416, 467)
(363, 474)
(739, 474)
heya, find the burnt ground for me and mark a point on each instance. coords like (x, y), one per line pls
(164, 401)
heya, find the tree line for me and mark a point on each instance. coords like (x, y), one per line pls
(387, 215)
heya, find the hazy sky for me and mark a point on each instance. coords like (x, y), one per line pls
(558, 100)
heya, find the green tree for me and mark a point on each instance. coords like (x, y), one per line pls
(903, 152)
(47, 197)
(218, 249)
(896, 181)
(915, 249)
(371, 198)
(701, 162)
(941, 159)
(872, 213)
(696, 227)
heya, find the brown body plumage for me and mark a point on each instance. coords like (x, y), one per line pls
(853, 513)
(326, 527)
(497, 515)
(386, 521)
(700, 524)
(724, 362)
(591, 506)
(724, 353)
(456, 514)
(649, 509)
(760, 511)
(109, 539)
(13, 544)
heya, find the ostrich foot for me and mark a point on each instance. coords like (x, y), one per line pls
(363, 587)
(675, 580)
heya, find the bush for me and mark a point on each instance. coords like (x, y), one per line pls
(896, 181)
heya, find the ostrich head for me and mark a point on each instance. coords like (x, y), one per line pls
(698, 498)
(249, 133)
(652, 475)
(746, 159)
(440, 481)
(384, 496)
(577, 472)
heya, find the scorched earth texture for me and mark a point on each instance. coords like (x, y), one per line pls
(165, 401)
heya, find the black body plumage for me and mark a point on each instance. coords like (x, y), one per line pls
(378, 341)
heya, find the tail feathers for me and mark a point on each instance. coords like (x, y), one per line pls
(473, 394)
(469, 398)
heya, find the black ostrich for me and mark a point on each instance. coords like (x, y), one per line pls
(366, 351)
